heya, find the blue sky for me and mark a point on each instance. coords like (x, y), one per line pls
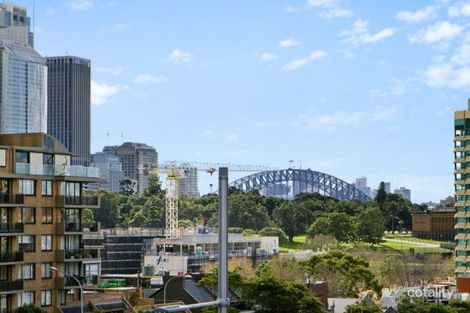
(350, 88)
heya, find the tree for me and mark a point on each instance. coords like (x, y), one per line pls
(370, 225)
(285, 268)
(321, 226)
(346, 275)
(292, 218)
(381, 196)
(87, 216)
(363, 308)
(128, 187)
(271, 294)
(154, 187)
(274, 231)
(244, 212)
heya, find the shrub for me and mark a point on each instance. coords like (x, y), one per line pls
(273, 231)
(235, 230)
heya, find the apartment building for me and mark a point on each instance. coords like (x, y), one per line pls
(41, 204)
(462, 198)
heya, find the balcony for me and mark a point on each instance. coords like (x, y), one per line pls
(11, 200)
(64, 282)
(57, 170)
(63, 228)
(11, 286)
(11, 257)
(11, 228)
(74, 255)
(78, 202)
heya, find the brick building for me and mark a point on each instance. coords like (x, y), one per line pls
(41, 203)
(435, 225)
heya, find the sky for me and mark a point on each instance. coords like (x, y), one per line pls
(349, 88)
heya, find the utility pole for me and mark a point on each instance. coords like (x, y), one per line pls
(223, 241)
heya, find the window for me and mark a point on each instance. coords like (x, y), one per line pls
(47, 187)
(46, 216)
(3, 154)
(46, 270)
(25, 298)
(22, 157)
(26, 271)
(46, 242)
(46, 297)
(69, 189)
(27, 243)
(27, 187)
(28, 215)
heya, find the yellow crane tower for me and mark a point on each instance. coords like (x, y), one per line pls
(175, 170)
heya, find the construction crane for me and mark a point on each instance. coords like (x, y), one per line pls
(176, 170)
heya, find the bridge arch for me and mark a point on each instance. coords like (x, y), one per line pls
(289, 182)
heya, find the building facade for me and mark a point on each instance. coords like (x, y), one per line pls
(15, 24)
(110, 168)
(23, 87)
(41, 228)
(188, 184)
(68, 104)
(434, 225)
(462, 198)
(134, 156)
(405, 193)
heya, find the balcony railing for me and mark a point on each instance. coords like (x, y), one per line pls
(11, 257)
(62, 228)
(11, 199)
(62, 282)
(79, 254)
(57, 170)
(11, 228)
(83, 201)
(15, 285)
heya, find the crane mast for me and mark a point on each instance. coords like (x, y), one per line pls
(175, 170)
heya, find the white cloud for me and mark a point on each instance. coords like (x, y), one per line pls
(149, 79)
(440, 31)
(178, 56)
(360, 34)
(81, 5)
(397, 89)
(289, 43)
(291, 9)
(417, 16)
(331, 122)
(462, 56)
(447, 75)
(102, 93)
(299, 63)
(321, 3)
(266, 57)
(335, 13)
(460, 9)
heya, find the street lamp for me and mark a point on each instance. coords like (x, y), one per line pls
(166, 284)
(55, 269)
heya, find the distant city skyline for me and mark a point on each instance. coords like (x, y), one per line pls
(271, 89)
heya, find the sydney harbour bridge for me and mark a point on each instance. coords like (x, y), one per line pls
(289, 182)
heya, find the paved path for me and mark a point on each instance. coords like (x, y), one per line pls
(414, 243)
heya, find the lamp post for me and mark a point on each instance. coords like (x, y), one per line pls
(55, 269)
(166, 284)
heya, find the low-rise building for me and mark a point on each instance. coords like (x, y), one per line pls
(435, 225)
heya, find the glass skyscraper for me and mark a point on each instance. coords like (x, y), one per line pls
(23, 104)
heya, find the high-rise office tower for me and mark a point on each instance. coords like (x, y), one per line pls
(405, 193)
(188, 185)
(110, 167)
(462, 198)
(23, 75)
(15, 24)
(68, 104)
(134, 156)
(23, 103)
